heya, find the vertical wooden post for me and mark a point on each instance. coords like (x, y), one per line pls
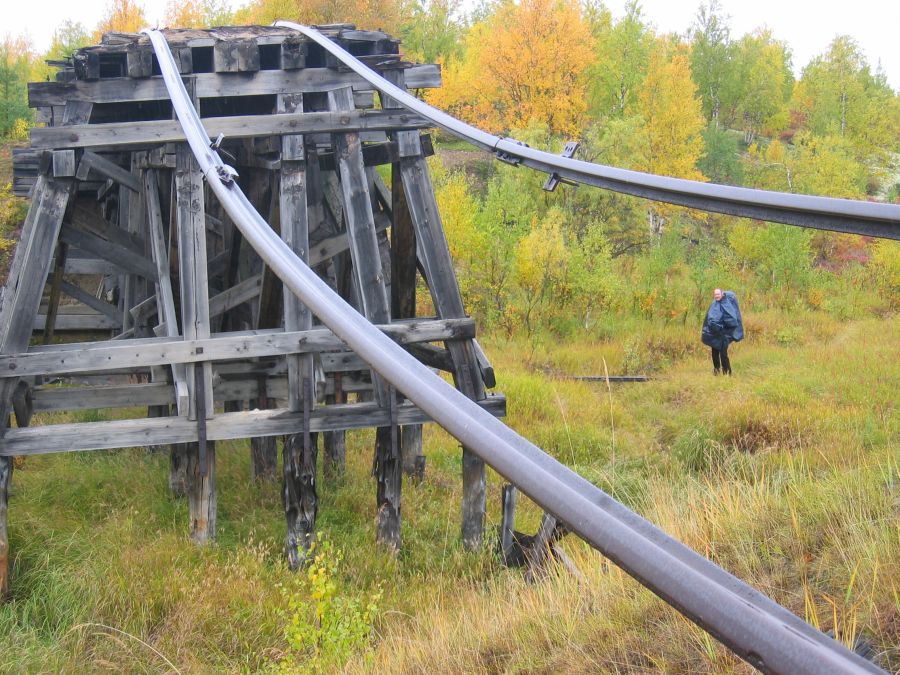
(403, 285)
(508, 523)
(300, 450)
(334, 442)
(62, 252)
(370, 284)
(191, 223)
(439, 274)
(21, 298)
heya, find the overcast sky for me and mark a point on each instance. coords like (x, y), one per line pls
(808, 26)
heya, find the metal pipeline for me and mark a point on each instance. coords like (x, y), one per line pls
(753, 626)
(827, 213)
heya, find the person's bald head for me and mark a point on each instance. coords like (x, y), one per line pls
(718, 294)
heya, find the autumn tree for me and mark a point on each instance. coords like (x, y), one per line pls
(673, 120)
(198, 13)
(122, 16)
(384, 15)
(512, 74)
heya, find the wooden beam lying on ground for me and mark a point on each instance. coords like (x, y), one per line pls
(225, 426)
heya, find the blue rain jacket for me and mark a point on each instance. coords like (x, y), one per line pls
(723, 323)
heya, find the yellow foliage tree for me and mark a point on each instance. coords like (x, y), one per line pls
(673, 116)
(122, 16)
(540, 268)
(513, 74)
(197, 13)
(673, 119)
(384, 15)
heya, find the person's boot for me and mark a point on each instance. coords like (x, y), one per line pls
(715, 371)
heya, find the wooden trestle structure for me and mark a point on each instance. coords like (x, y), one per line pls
(200, 335)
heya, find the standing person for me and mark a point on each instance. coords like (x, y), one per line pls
(722, 326)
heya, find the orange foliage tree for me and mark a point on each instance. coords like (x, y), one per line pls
(513, 73)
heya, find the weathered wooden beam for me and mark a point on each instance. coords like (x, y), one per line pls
(370, 284)
(91, 301)
(191, 223)
(223, 426)
(104, 249)
(18, 307)
(201, 455)
(88, 321)
(213, 85)
(238, 294)
(246, 126)
(91, 161)
(86, 357)
(434, 254)
(53, 301)
(403, 272)
(301, 449)
(165, 298)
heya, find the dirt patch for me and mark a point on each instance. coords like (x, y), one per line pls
(474, 163)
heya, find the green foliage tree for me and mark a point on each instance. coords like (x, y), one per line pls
(761, 84)
(839, 96)
(711, 58)
(721, 158)
(434, 31)
(15, 66)
(68, 37)
(621, 58)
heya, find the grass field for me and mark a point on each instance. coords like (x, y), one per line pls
(786, 474)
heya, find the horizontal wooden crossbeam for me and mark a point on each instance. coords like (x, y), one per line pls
(246, 126)
(225, 426)
(214, 85)
(146, 352)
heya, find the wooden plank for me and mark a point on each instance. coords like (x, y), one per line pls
(121, 256)
(165, 299)
(63, 163)
(100, 356)
(89, 321)
(213, 85)
(236, 295)
(300, 449)
(403, 273)
(53, 300)
(91, 161)
(359, 219)
(370, 284)
(18, 307)
(91, 301)
(223, 426)
(434, 254)
(246, 126)
(191, 222)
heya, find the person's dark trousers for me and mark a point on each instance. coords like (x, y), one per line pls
(720, 360)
